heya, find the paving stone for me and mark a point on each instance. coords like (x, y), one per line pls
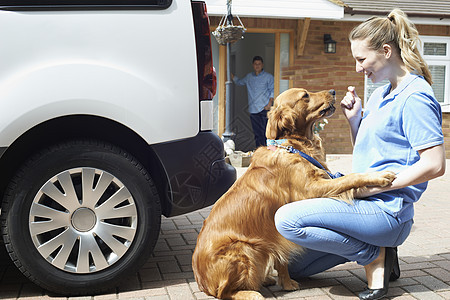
(190, 237)
(143, 294)
(161, 246)
(352, 283)
(432, 283)
(181, 221)
(445, 264)
(169, 267)
(395, 292)
(167, 225)
(186, 268)
(150, 274)
(106, 297)
(321, 297)
(180, 291)
(421, 292)
(412, 273)
(162, 297)
(445, 295)
(339, 292)
(405, 297)
(439, 273)
(183, 248)
(184, 259)
(299, 294)
(402, 281)
(176, 241)
(178, 275)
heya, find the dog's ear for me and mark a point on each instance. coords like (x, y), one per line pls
(281, 119)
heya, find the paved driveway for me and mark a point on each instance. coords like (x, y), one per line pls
(424, 260)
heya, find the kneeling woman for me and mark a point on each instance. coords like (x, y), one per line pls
(400, 131)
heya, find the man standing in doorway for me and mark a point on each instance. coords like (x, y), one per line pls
(260, 98)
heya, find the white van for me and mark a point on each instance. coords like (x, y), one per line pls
(105, 125)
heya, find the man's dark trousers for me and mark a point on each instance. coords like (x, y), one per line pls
(259, 123)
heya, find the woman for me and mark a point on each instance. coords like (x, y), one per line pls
(399, 131)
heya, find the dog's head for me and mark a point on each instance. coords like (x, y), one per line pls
(232, 266)
(296, 110)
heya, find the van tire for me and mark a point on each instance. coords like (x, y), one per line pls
(124, 232)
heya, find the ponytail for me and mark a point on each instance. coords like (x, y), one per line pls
(398, 31)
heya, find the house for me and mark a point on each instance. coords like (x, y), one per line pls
(289, 35)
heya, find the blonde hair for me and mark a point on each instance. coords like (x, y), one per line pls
(398, 31)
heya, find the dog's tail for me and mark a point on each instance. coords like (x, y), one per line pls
(239, 264)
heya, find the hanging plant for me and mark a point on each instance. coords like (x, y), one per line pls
(226, 31)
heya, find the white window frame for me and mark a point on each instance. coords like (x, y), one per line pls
(440, 61)
(368, 81)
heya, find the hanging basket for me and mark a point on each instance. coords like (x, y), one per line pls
(229, 33)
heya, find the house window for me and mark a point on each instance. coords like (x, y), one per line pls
(436, 52)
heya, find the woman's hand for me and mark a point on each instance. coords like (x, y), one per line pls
(352, 107)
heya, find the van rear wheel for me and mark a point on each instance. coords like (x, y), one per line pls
(79, 216)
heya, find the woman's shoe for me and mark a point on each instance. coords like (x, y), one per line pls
(389, 262)
(395, 274)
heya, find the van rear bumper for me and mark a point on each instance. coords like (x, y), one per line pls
(196, 171)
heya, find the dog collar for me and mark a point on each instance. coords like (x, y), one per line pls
(273, 144)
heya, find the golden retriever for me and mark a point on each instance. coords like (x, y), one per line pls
(238, 244)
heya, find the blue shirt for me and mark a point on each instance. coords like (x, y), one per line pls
(259, 90)
(393, 128)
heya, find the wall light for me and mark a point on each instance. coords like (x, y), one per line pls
(330, 44)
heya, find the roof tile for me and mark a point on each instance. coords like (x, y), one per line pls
(419, 8)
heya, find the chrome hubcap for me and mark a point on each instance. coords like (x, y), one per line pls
(83, 220)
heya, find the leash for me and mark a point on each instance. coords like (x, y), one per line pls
(274, 144)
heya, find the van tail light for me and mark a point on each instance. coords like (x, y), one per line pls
(206, 74)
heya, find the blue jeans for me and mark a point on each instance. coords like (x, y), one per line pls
(259, 123)
(335, 232)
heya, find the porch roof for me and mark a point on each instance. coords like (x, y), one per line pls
(314, 9)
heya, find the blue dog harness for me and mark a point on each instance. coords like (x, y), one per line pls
(290, 149)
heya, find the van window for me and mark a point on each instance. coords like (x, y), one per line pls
(83, 4)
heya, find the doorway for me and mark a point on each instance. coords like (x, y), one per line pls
(242, 53)
(276, 50)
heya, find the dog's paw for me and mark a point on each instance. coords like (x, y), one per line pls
(290, 285)
(270, 280)
(382, 178)
(247, 295)
(387, 178)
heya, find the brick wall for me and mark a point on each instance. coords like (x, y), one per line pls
(446, 130)
(316, 70)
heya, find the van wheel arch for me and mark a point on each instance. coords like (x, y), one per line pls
(84, 126)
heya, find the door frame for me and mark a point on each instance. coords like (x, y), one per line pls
(277, 73)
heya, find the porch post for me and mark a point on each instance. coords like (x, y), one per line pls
(228, 134)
